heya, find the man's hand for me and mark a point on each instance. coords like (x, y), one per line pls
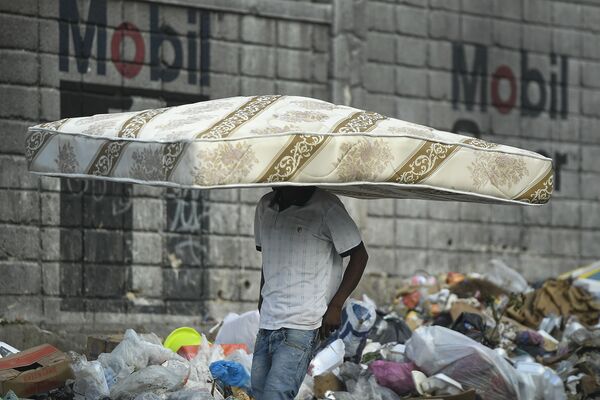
(331, 320)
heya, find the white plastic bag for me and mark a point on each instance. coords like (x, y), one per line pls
(505, 277)
(138, 353)
(326, 360)
(435, 349)
(358, 317)
(541, 382)
(154, 379)
(90, 382)
(200, 376)
(239, 329)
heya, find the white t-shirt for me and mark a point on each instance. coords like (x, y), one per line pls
(302, 266)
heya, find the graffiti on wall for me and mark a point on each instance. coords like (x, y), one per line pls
(97, 214)
(477, 86)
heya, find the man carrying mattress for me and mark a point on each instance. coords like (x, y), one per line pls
(303, 234)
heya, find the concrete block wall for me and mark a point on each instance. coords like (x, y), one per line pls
(82, 256)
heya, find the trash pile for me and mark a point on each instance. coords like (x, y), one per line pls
(451, 336)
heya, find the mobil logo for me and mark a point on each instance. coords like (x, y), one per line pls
(534, 92)
(190, 49)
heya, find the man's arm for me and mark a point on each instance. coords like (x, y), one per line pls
(262, 283)
(354, 271)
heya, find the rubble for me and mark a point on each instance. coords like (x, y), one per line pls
(453, 336)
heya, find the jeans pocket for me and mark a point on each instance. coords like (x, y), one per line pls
(299, 339)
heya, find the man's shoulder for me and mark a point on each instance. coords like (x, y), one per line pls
(266, 199)
(327, 199)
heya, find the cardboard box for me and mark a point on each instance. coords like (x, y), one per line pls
(36, 370)
(98, 344)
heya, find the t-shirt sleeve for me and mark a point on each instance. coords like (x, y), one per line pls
(342, 230)
(257, 222)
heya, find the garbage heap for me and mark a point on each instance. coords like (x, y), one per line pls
(451, 336)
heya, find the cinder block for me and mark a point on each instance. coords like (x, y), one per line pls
(50, 242)
(537, 241)
(297, 35)
(232, 284)
(482, 7)
(222, 86)
(246, 226)
(147, 281)
(379, 78)
(185, 284)
(320, 68)
(381, 17)
(412, 51)
(381, 47)
(224, 218)
(381, 208)
(258, 61)
(505, 239)
(258, 30)
(321, 38)
(511, 9)
(19, 242)
(413, 110)
(473, 237)
(476, 30)
(408, 262)
(20, 278)
(588, 129)
(223, 251)
(506, 214)
(295, 64)
(256, 86)
(224, 25)
(443, 235)
(253, 195)
(589, 158)
(590, 17)
(13, 308)
(18, 32)
(589, 244)
(507, 34)
(19, 102)
(439, 85)
(573, 186)
(410, 233)
(147, 248)
(148, 214)
(19, 206)
(444, 25)
(453, 5)
(567, 42)
(474, 212)
(291, 88)
(383, 104)
(51, 279)
(444, 210)
(411, 208)
(26, 7)
(589, 48)
(95, 283)
(411, 82)
(590, 214)
(103, 246)
(50, 9)
(224, 57)
(49, 104)
(381, 260)
(411, 21)
(19, 67)
(379, 232)
(565, 242)
(590, 102)
(537, 11)
(567, 213)
(566, 14)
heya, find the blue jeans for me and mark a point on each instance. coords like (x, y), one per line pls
(280, 362)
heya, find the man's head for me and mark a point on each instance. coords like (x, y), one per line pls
(297, 195)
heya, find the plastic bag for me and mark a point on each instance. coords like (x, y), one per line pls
(200, 376)
(388, 329)
(436, 349)
(240, 356)
(506, 278)
(471, 325)
(326, 360)
(115, 368)
(541, 382)
(139, 353)
(230, 373)
(239, 329)
(358, 317)
(393, 375)
(90, 382)
(155, 378)
(366, 387)
(190, 394)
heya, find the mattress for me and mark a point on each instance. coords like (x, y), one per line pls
(273, 140)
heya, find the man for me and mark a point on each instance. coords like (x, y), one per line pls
(303, 233)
